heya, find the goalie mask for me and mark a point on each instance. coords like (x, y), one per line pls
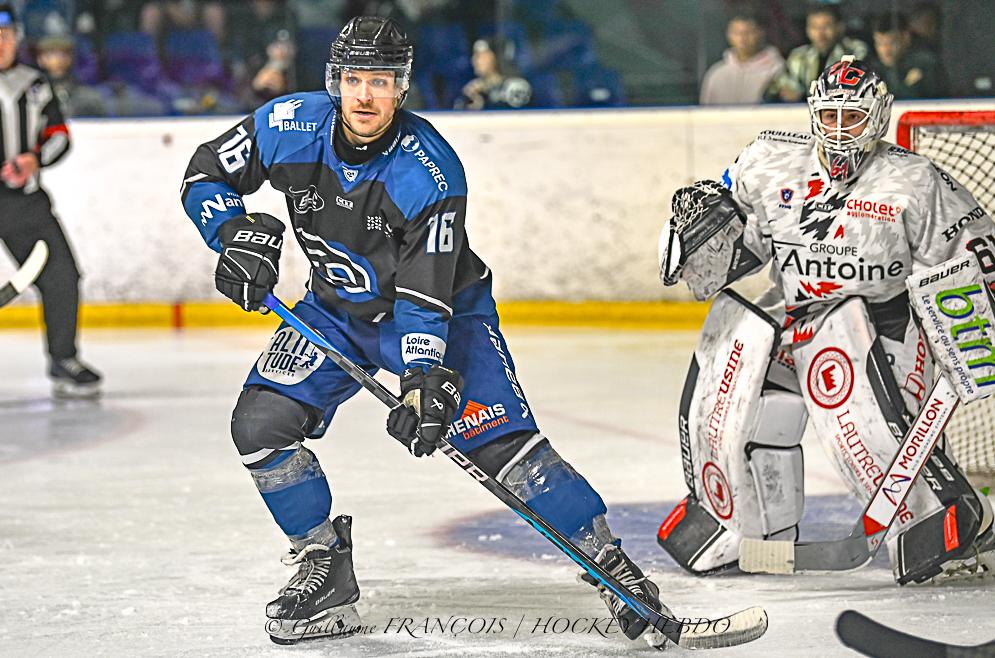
(370, 43)
(848, 88)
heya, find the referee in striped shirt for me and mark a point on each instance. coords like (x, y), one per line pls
(33, 135)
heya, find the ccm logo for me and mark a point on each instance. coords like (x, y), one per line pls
(258, 238)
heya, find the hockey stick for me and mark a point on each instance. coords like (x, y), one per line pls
(26, 275)
(860, 546)
(870, 638)
(738, 628)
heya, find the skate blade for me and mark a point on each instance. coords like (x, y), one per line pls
(975, 567)
(62, 390)
(331, 624)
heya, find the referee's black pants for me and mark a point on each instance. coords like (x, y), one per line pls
(25, 219)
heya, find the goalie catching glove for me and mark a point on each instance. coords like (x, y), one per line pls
(430, 399)
(700, 211)
(249, 265)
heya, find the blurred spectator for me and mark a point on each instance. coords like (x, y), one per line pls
(272, 80)
(925, 23)
(43, 17)
(55, 57)
(493, 88)
(747, 67)
(161, 18)
(909, 73)
(824, 28)
(259, 31)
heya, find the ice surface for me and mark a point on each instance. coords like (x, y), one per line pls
(129, 527)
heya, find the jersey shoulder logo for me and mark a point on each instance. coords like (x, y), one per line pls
(410, 143)
(283, 117)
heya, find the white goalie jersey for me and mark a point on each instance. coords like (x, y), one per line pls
(829, 241)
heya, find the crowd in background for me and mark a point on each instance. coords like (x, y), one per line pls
(904, 51)
(179, 57)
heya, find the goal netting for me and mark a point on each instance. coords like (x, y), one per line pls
(963, 144)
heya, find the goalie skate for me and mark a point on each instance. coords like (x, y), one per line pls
(954, 544)
(980, 560)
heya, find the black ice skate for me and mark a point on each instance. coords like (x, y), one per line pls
(955, 543)
(72, 379)
(618, 565)
(318, 600)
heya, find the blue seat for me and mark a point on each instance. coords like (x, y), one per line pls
(566, 45)
(442, 63)
(193, 58)
(313, 44)
(86, 67)
(546, 90)
(597, 86)
(443, 48)
(514, 34)
(131, 57)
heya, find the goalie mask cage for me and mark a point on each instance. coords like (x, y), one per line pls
(963, 144)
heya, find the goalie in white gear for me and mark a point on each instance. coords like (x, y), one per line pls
(843, 217)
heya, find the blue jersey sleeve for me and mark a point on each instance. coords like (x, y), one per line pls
(430, 190)
(238, 161)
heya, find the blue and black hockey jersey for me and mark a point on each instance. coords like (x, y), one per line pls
(386, 238)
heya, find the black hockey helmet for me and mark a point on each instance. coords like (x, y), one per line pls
(371, 43)
(846, 85)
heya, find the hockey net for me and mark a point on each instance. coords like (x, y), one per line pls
(963, 144)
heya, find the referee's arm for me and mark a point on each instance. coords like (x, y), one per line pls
(53, 141)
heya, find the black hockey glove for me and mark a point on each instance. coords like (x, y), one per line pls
(430, 401)
(250, 258)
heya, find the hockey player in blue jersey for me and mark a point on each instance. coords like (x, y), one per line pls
(377, 200)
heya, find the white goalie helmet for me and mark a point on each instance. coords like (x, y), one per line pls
(849, 85)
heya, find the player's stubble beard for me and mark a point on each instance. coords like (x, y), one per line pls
(357, 137)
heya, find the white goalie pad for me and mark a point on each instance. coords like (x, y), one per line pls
(739, 445)
(853, 401)
(955, 307)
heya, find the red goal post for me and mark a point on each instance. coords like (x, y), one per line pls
(910, 120)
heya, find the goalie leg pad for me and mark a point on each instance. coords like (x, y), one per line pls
(739, 443)
(778, 474)
(856, 405)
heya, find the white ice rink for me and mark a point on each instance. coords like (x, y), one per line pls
(128, 527)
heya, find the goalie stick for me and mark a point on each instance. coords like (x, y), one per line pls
(863, 542)
(870, 638)
(26, 275)
(738, 628)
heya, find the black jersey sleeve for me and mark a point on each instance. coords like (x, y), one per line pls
(219, 173)
(426, 272)
(53, 140)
